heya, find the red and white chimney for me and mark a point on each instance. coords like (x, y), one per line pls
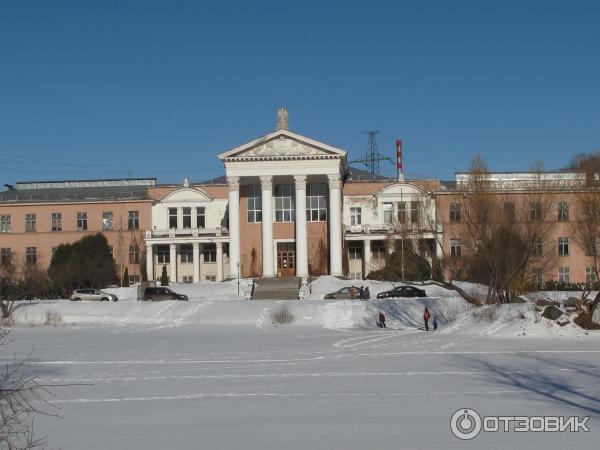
(399, 160)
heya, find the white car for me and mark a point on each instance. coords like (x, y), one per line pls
(93, 295)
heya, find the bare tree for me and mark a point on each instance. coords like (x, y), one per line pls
(501, 233)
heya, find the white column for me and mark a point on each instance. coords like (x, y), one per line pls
(173, 263)
(268, 269)
(367, 257)
(196, 257)
(219, 261)
(149, 262)
(301, 232)
(335, 225)
(234, 224)
(179, 218)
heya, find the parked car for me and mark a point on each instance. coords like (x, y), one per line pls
(93, 295)
(349, 293)
(155, 294)
(402, 291)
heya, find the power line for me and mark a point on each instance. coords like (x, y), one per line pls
(372, 155)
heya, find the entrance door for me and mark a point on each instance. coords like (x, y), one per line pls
(286, 259)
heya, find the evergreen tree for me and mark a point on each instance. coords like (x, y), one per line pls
(87, 263)
(164, 279)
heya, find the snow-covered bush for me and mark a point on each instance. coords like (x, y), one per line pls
(487, 313)
(52, 318)
(282, 314)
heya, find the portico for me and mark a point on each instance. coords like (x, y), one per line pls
(284, 202)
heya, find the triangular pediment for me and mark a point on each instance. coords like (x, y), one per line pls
(282, 144)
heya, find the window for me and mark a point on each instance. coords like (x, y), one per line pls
(378, 250)
(56, 222)
(172, 217)
(134, 279)
(5, 222)
(188, 279)
(163, 254)
(535, 211)
(402, 217)
(454, 212)
(355, 251)
(254, 204)
(5, 254)
(355, 275)
(564, 274)
(31, 255)
(537, 280)
(210, 277)
(563, 211)
(355, 215)
(388, 211)
(187, 217)
(107, 220)
(209, 253)
(201, 217)
(590, 275)
(316, 202)
(537, 247)
(187, 253)
(455, 247)
(563, 246)
(284, 203)
(134, 254)
(415, 212)
(509, 211)
(82, 221)
(133, 220)
(30, 222)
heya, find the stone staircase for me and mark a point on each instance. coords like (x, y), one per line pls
(276, 288)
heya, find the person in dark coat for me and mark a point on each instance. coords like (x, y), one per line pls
(361, 292)
(434, 323)
(367, 293)
(381, 320)
(426, 316)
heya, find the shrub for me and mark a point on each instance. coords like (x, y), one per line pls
(584, 320)
(486, 313)
(416, 268)
(53, 318)
(282, 314)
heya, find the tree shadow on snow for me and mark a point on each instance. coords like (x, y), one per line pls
(564, 383)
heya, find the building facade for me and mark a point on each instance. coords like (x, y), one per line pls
(288, 206)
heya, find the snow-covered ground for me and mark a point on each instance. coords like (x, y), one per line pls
(215, 373)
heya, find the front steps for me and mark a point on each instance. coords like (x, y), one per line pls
(276, 288)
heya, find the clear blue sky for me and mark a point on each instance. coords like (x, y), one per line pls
(116, 89)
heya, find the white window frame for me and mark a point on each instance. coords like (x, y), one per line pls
(186, 216)
(107, 220)
(564, 274)
(56, 222)
(388, 213)
(133, 220)
(563, 246)
(285, 204)
(455, 248)
(562, 211)
(30, 223)
(254, 204)
(163, 256)
(170, 216)
(316, 202)
(200, 217)
(209, 253)
(134, 254)
(5, 223)
(355, 215)
(82, 221)
(187, 253)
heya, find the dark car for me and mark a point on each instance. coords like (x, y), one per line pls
(402, 291)
(346, 293)
(155, 294)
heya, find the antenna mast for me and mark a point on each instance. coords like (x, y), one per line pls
(372, 155)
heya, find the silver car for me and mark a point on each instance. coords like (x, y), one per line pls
(93, 295)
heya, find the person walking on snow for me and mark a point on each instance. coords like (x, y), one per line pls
(426, 318)
(381, 320)
(367, 293)
(434, 323)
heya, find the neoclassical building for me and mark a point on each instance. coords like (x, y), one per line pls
(288, 205)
